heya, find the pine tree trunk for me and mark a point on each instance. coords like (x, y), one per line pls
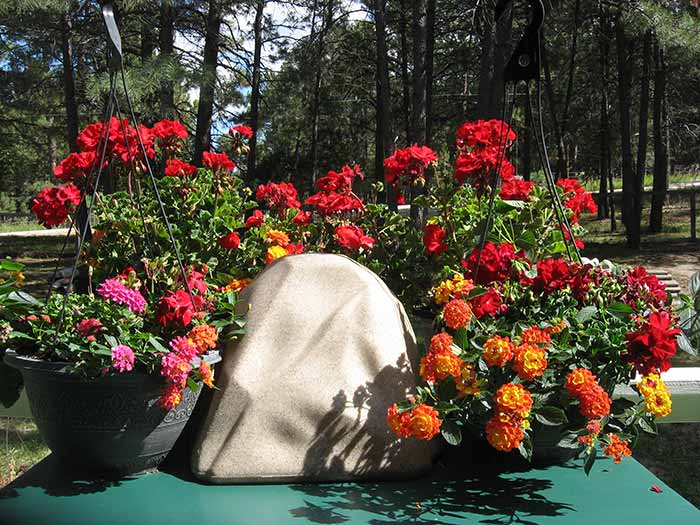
(660, 155)
(207, 85)
(325, 27)
(71, 104)
(603, 198)
(383, 108)
(429, 68)
(527, 144)
(629, 182)
(419, 89)
(405, 79)
(549, 86)
(166, 40)
(643, 129)
(255, 88)
(483, 103)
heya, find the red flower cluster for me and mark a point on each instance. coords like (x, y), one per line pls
(650, 348)
(75, 166)
(576, 198)
(177, 168)
(481, 146)
(495, 264)
(432, 239)
(169, 130)
(406, 167)
(177, 308)
(53, 205)
(243, 131)
(122, 140)
(255, 220)
(353, 238)
(516, 189)
(217, 161)
(335, 192)
(489, 303)
(558, 274)
(230, 241)
(484, 134)
(278, 197)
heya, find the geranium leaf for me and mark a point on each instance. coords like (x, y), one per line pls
(585, 313)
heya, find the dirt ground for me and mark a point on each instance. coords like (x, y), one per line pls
(679, 258)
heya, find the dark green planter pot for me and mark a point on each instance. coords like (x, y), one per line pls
(111, 424)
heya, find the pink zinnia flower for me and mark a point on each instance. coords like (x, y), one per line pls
(114, 290)
(184, 347)
(122, 358)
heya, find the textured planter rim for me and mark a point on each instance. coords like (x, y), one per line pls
(20, 362)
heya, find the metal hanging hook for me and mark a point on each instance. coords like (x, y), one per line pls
(524, 64)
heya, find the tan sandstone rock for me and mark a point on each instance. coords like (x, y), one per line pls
(303, 395)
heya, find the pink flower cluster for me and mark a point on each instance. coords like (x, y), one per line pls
(114, 290)
(122, 358)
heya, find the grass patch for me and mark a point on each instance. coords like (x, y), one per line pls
(19, 225)
(673, 457)
(592, 184)
(22, 447)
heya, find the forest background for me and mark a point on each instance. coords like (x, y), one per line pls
(325, 83)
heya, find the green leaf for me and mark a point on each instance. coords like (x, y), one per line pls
(620, 308)
(550, 416)
(646, 426)
(590, 459)
(525, 448)
(515, 204)
(527, 239)
(451, 432)
(11, 266)
(476, 292)
(461, 338)
(569, 441)
(694, 284)
(156, 344)
(24, 298)
(111, 340)
(193, 385)
(585, 313)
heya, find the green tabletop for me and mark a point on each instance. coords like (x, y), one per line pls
(618, 494)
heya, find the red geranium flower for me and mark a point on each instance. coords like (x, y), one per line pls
(217, 161)
(432, 239)
(53, 205)
(230, 241)
(169, 130)
(335, 192)
(302, 218)
(516, 190)
(353, 238)
(485, 134)
(177, 168)
(489, 303)
(255, 220)
(495, 263)
(177, 308)
(650, 348)
(243, 131)
(407, 166)
(75, 166)
(278, 197)
(576, 198)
